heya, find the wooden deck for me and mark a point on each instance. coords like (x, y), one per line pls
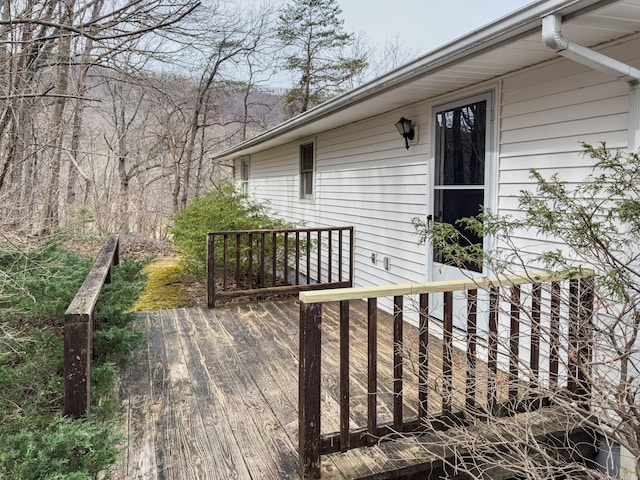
(214, 395)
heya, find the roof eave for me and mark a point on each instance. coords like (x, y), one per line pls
(509, 28)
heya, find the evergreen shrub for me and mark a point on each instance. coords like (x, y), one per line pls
(223, 209)
(36, 286)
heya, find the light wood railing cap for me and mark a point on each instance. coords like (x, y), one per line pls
(358, 293)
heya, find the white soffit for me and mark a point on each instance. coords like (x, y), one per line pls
(508, 45)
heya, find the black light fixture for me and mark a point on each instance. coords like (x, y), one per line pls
(405, 128)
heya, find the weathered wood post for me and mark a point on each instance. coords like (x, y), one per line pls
(78, 330)
(309, 390)
(211, 264)
(585, 347)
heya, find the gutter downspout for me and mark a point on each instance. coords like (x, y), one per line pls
(552, 38)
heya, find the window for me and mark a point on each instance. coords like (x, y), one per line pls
(244, 175)
(306, 171)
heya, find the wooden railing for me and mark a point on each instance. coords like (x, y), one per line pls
(78, 331)
(257, 263)
(511, 344)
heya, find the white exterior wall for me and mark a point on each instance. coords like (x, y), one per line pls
(363, 177)
(366, 178)
(546, 112)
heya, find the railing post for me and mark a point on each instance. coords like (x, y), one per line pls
(78, 330)
(352, 255)
(211, 275)
(309, 389)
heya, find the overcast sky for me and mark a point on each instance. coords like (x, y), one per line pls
(422, 25)
(419, 26)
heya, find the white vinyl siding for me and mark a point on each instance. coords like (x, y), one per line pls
(546, 114)
(364, 177)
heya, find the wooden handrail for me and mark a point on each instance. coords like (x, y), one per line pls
(357, 293)
(574, 354)
(79, 327)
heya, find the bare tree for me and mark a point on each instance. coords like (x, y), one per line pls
(43, 43)
(230, 39)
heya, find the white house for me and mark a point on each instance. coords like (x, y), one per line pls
(523, 92)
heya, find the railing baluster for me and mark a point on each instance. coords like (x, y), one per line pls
(372, 369)
(237, 259)
(447, 350)
(250, 241)
(397, 362)
(514, 344)
(585, 331)
(262, 260)
(211, 274)
(286, 258)
(352, 255)
(319, 256)
(492, 384)
(274, 259)
(329, 255)
(340, 254)
(423, 358)
(554, 335)
(297, 258)
(574, 320)
(308, 257)
(345, 443)
(534, 359)
(472, 308)
(225, 263)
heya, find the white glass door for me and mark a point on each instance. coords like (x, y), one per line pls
(460, 180)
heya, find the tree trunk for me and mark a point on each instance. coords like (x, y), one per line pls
(78, 112)
(52, 206)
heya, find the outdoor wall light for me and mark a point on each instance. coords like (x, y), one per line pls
(405, 128)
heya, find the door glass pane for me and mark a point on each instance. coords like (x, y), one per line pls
(459, 177)
(460, 145)
(452, 204)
